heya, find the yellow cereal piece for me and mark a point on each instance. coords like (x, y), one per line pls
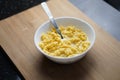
(75, 42)
(62, 28)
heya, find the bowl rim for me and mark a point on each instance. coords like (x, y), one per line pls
(67, 17)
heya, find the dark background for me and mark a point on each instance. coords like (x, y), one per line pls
(8, 70)
(11, 7)
(114, 3)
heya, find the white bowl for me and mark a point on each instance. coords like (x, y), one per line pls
(66, 21)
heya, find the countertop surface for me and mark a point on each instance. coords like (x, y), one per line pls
(106, 16)
(16, 38)
(12, 7)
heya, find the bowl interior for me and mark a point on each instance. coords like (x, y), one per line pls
(83, 25)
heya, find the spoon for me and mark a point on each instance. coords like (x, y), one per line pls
(52, 20)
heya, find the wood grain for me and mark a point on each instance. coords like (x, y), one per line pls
(16, 37)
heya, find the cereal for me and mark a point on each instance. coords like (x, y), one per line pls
(75, 42)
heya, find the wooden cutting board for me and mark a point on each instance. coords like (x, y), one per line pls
(16, 37)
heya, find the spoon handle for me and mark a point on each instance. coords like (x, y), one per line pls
(47, 11)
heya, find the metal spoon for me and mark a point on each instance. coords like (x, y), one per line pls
(52, 20)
